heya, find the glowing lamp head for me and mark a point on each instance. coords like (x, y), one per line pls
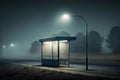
(4, 46)
(65, 17)
(12, 45)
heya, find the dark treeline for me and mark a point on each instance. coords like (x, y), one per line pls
(113, 40)
(35, 47)
(95, 41)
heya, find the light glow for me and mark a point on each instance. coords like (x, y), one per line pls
(63, 41)
(48, 43)
(66, 17)
(12, 45)
(4, 46)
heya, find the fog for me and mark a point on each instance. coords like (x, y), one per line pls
(22, 22)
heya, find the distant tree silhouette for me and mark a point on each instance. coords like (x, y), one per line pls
(94, 42)
(113, 39)
(78, 46)
(62, 33)
(35, 47)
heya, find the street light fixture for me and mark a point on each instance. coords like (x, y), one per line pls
(67, 17)
(3, 46)
(12, 45)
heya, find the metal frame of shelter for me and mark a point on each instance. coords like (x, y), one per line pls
(55, 62)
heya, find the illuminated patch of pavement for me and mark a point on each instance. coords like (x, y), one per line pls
(73, 70)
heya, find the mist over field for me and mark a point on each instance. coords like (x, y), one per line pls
(23, 23)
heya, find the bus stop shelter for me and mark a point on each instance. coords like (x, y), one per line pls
(51, 42)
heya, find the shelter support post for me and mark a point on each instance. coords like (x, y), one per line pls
(41, 51)
(58, 52)
(52, 50)
(68, 53)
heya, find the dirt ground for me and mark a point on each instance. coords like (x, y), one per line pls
(18, 72)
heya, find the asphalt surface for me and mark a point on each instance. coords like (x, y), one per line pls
(94, 69)
(80, 66)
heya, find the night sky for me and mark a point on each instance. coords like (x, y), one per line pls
(23, 21)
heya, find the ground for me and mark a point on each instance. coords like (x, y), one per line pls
(19, 72)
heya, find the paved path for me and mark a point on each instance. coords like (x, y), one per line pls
(94, 70)
(74, 70)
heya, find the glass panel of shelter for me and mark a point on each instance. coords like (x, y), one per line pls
(50, 50)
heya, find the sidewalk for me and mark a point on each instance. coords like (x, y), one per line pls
(109, 73)
(90, 72)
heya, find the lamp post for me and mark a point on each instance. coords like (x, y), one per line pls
(8, 47)
(4, 46)
(67, 17)
(5, 50)
(12, 45)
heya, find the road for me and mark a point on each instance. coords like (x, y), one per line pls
(80, 66)
(94, 70)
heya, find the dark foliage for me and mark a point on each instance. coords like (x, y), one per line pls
(113, 39)
(79, 44)
(94, 42)
(35, 47)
